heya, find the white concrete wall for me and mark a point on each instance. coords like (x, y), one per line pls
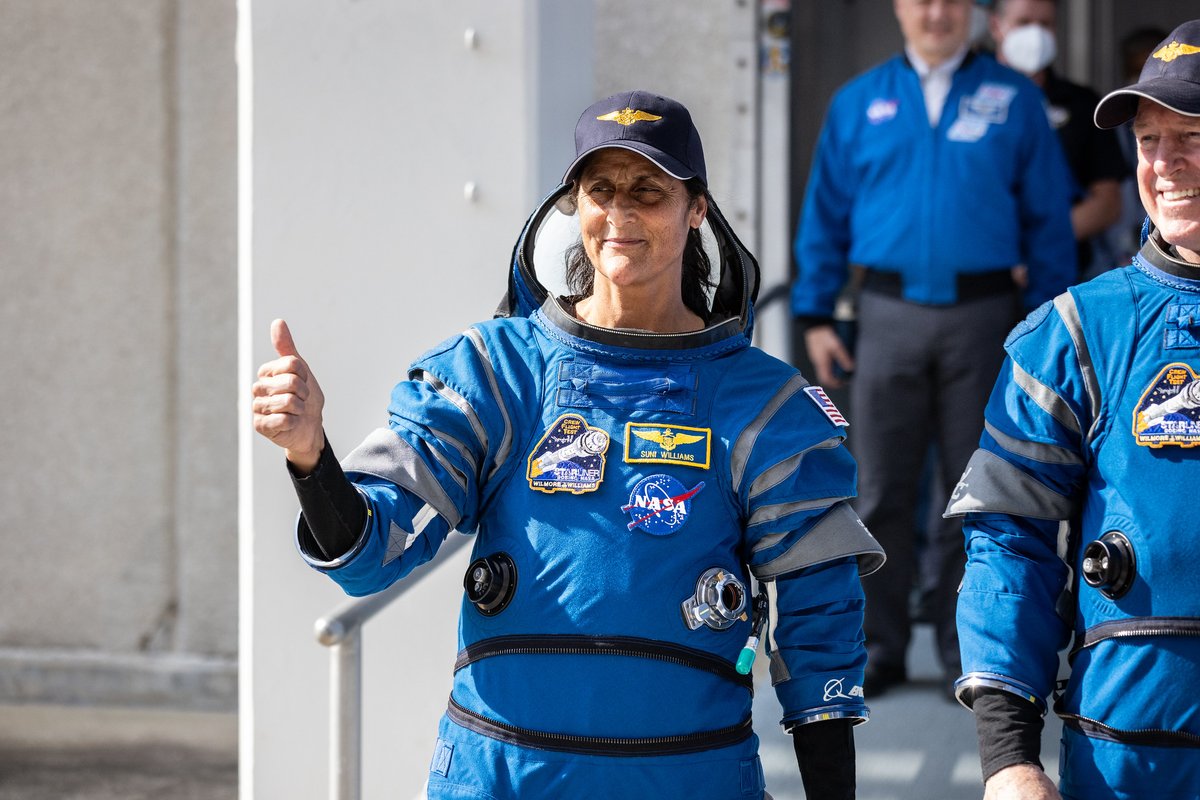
(363, 122)
(117, 228)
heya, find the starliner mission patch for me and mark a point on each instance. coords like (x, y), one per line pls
(1168, 412)
(569, 458)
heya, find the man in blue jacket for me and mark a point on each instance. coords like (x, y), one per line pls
(1080, 521)
(936, 176)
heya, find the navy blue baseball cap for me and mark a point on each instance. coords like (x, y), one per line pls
(1170, 78)
(658, 128)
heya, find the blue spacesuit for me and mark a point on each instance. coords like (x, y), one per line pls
(623, 487)
(1080, 529)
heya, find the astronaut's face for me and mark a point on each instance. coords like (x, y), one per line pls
(1168, 174)
(634, 219)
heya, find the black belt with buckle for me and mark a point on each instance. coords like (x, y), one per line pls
(968, 285)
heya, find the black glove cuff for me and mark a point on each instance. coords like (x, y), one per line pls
(1009, 729)
(333, 512)
(825, 753)
(807, 323)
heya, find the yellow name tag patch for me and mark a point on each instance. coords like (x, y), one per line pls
(667, 444)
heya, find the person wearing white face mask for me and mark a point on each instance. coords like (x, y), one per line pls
(1024, 34)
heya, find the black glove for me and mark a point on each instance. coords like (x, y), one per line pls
(825, 753)
(1010, 731)
(334, 513)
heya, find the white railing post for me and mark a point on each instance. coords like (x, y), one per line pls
(345, 710)
(341, 631)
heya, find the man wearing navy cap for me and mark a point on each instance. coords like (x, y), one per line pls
(1080, 518)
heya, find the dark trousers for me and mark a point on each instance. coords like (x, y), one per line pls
(923, 374)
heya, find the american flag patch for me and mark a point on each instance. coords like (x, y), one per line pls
(825, 404)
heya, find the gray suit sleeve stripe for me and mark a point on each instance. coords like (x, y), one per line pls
(992, 485)
(778, 510)
(777, 474)
(840, 533)
(462, 449)
(744, 445)
(506, 442)
(460, 402)
(450, 467)
(1065, 304)
(1046, 398)
(385, 455)
(1045, 453)
(769, 540)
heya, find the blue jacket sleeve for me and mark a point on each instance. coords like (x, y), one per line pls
(822, 243)
(816, 643)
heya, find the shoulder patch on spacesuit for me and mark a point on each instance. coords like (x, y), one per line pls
(569, 457)
(1168, 412)
(667, 444)
(818, 396)
(1031, 323)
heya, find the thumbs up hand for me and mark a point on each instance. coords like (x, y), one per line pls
(288, 402)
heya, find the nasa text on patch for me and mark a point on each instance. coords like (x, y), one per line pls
(660, 504)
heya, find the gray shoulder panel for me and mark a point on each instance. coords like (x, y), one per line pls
(773, 476)
(740, 452)
(838, 534)
(505, 446)
(1045, 453)
(385, 455)
(992, 485)
(1069, 312)
(1046, 398)
(780, 510)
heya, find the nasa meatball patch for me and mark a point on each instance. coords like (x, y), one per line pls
(660, 504)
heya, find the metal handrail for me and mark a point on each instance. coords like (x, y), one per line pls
(341, 631)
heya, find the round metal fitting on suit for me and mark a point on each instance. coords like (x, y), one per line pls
(1109, 564)
(719, 601)
(490, 583)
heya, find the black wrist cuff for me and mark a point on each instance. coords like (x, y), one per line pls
(825, 753)
(1009, 729)
(333, 513)
(805, 323)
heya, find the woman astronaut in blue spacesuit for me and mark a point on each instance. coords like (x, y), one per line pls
(628, 462)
